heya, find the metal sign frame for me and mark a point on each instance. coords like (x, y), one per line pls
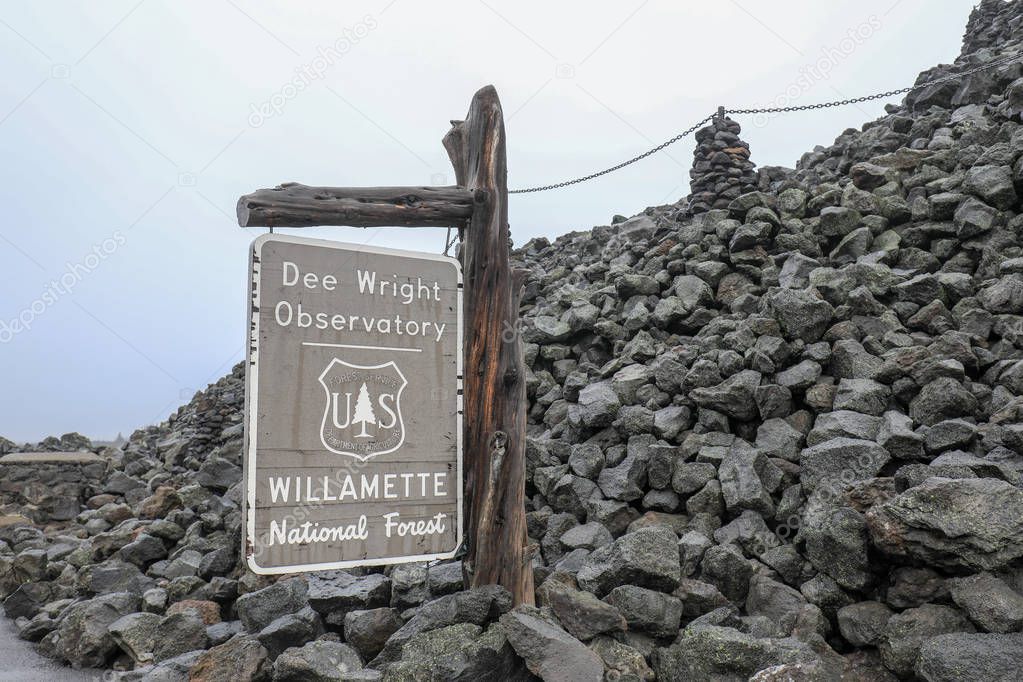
(250, 436)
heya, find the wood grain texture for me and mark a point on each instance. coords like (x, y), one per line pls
(494, 386)
(295, 205)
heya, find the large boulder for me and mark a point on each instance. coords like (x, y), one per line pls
(837, 541)
(319, 661)
(906, 632)
(369, 629)
(83, 637)
(240, 658)
(733, 396)
(578, 611)
(335, 593)
(941, 399)
(863, 624)
(723, 654)
(964, 656)
(478, 606)
(991, 183)
(597, 405)
(647, 557)
(550, 653)
(646, 610)
(989, 602)
(800, 312)
(258, 609)
(840, 461)
(461, 652)
(974, 523)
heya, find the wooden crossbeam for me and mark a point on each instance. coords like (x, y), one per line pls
(295, 205)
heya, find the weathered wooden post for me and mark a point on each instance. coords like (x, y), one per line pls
(495, 390)
(494, 403)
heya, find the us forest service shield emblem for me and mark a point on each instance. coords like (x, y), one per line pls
(362, 410)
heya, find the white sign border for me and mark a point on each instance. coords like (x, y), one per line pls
(252, 381)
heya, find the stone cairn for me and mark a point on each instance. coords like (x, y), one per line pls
(721, 167)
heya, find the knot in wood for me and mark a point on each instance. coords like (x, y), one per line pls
(498, 442)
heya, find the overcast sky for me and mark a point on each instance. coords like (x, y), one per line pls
(129, 129)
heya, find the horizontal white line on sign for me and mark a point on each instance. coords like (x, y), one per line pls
(350, 345)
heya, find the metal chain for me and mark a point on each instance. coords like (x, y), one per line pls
(449, 241)
(612, 169)
(1001, 61)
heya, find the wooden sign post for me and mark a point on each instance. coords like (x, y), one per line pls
(494, 387)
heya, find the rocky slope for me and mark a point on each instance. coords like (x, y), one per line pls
(779, 440)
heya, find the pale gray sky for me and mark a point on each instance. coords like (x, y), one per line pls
(128, 130)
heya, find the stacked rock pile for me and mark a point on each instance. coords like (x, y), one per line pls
(721, 168)
(782, 439)
(50, 486)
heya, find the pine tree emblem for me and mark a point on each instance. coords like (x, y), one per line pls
(363, 411)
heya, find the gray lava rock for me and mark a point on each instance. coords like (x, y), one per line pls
(369, 629)
(135, 635)
(726, 568)
(941, 399)
(993, 184)
(1004, 295)
(586, 460)
(650, 611)
(733, 396)
(179, 633)
(974, 217)
(743, 473)
(862, 395)
(837, 541)
(579, 612)
(461, 652)
(777, 438)
(627, 480)
(550, 652)
(801, 314)
(989, 602)
(906, 632)
(83, 636)
(782, 605)
(710, 652)
(838, 221)
(896, 435)
(864, 623)
(240, 658)
(840, 461)
(952, 523)
(597, 407)
(291, 629)
(963, 656)
(647, 557)
(260, 608)
(477, 606)
(319, 661)
(333, 594)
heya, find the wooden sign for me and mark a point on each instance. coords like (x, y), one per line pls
(496, 550)
(353, 400)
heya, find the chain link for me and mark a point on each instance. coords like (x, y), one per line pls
(1001, 61)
